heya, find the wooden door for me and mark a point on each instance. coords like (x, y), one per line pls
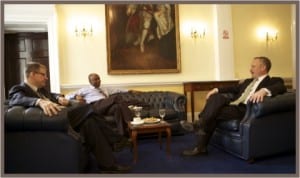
(21, 48)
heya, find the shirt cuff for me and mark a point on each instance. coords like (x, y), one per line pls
(268, 92)
(37, 102)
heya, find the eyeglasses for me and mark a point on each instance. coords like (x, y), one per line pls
(43, 74)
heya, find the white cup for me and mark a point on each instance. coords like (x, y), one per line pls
(136, 119)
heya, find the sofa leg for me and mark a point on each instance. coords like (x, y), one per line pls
(250, 161)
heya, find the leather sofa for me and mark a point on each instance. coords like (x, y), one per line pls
(151, 101)
(35, 143)
(268, 128)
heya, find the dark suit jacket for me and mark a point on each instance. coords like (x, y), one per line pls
(274, 84)
(23, 95)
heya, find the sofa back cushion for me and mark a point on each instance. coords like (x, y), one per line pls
(151, 101)
(33, 119)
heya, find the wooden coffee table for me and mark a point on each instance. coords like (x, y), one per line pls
(160, 127)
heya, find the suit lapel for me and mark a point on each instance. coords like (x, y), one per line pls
(30, 91)
(245, 84)
(263, 83)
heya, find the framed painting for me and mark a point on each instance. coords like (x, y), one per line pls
(142, 38)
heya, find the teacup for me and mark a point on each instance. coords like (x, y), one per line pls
(136, 119)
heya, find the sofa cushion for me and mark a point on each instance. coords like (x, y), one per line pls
(231, 125)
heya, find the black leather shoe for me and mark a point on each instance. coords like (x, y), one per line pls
(187, 126)
(116, 169)
(194, 151)
(124, 143)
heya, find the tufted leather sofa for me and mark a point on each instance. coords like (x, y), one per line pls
(174, 103)
(267, 128)
(35, 143)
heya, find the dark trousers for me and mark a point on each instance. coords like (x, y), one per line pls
(98, 138)
(217, 109)
(114, 105)
(95, 135)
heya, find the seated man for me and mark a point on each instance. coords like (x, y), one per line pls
(218, 107)
(95, 136)
(102, 103)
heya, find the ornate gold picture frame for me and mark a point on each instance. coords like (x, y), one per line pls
(142, 38)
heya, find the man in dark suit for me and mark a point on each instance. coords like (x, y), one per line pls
(218, 107)
(95, 135)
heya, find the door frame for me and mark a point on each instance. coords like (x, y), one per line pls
(36, 18)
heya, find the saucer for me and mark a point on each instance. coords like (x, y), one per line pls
(151, 120)
(137, 122)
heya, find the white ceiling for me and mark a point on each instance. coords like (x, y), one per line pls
(26, 18)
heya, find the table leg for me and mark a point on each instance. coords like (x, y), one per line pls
(186, 109)
(134, 142)
(159, 139)
(168, 130)
(192, 105)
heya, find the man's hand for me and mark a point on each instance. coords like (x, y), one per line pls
(63, 101)
(49, 107)
(258, 96)
(80, 99)
(211, 92)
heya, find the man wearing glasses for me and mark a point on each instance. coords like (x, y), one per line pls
(96, 137)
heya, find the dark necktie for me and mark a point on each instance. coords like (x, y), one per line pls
(41, 95)
(102, 92)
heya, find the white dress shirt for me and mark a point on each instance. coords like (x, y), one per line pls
(259, 79)
(92, 94)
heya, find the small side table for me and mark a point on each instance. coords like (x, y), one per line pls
(134, 130)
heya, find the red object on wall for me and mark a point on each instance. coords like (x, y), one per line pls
(225, 34)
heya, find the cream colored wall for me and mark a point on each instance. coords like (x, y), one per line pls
(246, 20)
(78, 56)
(81, 56)
(211, 58)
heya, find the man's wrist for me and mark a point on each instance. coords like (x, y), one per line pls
(216, 90)
(267, 91)
(37, 103)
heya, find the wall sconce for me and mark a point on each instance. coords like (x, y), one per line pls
(197, 34)
(271, 36)
(83, 31)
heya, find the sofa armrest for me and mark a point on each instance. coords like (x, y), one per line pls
(270, 107)
(280, 103)
(178, 101)
(19, 118)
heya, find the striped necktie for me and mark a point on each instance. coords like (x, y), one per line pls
(245, 94)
